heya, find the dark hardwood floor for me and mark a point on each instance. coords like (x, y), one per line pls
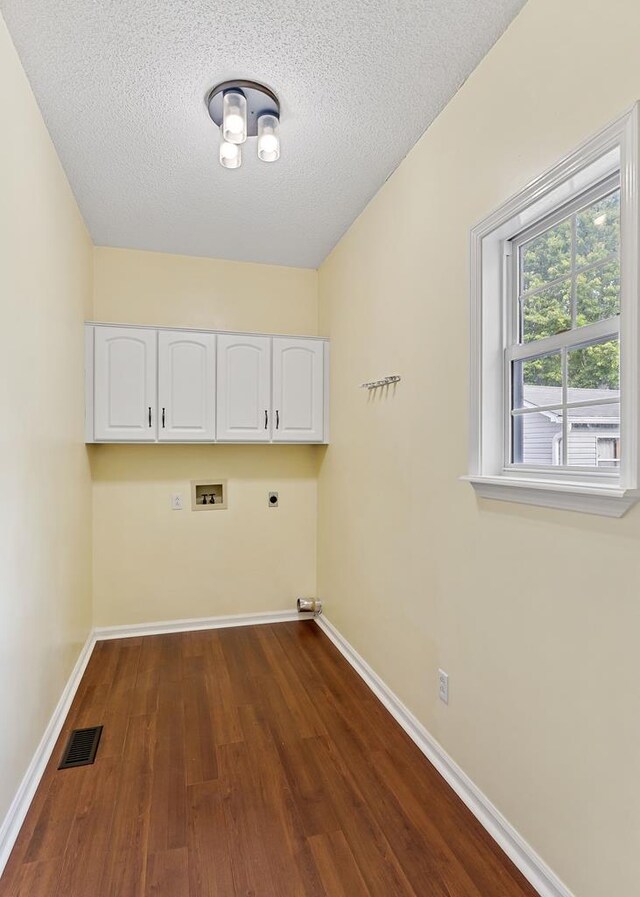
(248, 762)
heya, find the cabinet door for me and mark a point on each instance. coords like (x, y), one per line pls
(298, 390)
(125, 384)
(186, 386)
(244, 388)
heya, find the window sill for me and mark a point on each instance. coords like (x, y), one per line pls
(608, 501)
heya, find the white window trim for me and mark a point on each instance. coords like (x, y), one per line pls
(616, 147)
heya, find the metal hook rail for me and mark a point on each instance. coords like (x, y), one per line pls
(386, 381)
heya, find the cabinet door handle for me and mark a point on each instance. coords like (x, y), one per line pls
(149, 415)
(266, 419)
(277, 419)
(163, 418)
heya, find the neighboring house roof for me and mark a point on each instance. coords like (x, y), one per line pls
(552, 395)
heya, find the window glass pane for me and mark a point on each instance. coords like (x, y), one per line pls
(546, 257)
(594, 371)
(535, 438)
(594, 436)
(537, 381)
(598, 230)
(598, 294)
(547, 312)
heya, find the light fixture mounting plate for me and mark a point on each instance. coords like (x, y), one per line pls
(260, 100)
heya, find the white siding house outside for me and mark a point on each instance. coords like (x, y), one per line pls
(593, 431)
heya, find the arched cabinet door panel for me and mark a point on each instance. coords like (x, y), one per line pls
(298, 390)
(186, 386)
(243, 388)
(125, 384)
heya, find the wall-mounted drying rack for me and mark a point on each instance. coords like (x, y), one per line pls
(386, 381)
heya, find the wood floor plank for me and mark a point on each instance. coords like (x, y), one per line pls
(36, 878)
(88, 844)
(200, 747)
(251, 811)
(50, 834)
(147, 685)
(246, 667)
(277, 811)
(249, 761)
(367, 840)
(115, 718)
(209, 841)
(168, 873)
(125, 864)
(168, 814)
(224, 711)
(294, 691)
(337, 866)
(316, 810)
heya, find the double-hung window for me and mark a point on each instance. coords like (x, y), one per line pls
(562, 361)
(554, 354)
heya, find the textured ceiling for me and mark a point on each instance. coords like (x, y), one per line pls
(121, 84)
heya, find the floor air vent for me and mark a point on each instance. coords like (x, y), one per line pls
(81, 748)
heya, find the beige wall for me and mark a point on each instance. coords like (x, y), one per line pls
(535, 614)
(152, 563)
(135, 287)
(45, 511)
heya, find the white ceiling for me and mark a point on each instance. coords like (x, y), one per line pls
(121, 84)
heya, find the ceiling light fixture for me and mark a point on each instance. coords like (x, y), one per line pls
(244, 109)
(268, 139)
(234, 116)
(230, 154)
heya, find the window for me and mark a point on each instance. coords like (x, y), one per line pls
(608, 451)
(563, 353)
(555, 334)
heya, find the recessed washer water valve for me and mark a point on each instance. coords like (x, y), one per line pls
(309, 606)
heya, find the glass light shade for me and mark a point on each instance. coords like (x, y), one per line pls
(234, 116)
(230, 154)
(268, 138)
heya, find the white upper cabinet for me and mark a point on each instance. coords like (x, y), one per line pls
(151, 384)
(186, 386)
(244, 388)
(298, 390)
(125, 384)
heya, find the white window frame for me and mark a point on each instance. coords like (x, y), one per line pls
(596, 491)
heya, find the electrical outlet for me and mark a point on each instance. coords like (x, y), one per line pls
(177, 503)
(273, 499)
(443, 686)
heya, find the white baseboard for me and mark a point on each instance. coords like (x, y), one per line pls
(191, 625)
(534, 869)
(12, 822)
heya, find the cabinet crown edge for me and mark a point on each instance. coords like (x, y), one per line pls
(168, 327)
